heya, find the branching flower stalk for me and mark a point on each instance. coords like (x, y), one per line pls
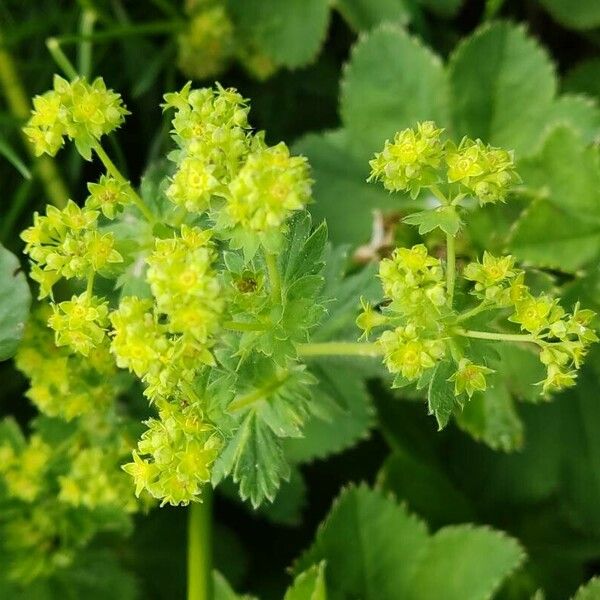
(207, 292)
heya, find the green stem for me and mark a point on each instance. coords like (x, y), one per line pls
(274, 278)
(119, 32)
(199, 550)
(435, 190)
(86, 27)
(502, 337)
(339, 349)
(114, 171)
(450, 267)
(18, 103)
(241, 326)
(474, 311)
(90, 284)
(61, 59)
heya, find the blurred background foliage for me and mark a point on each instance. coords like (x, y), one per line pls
(333, 79)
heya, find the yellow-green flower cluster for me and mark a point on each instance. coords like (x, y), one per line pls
(418, 158)
(210, 127)
(185, 285)
(23, 471)
(413, 280)
(409, 162)
(496, 279)
(483, 171)
(406, 352)
(208, 43)
(268, 189)
(93, 481)
(469, 378)
(63, 384)
(563, 338)
(80, 323)
(66, 244)
(175, 455)
(79, 110)
(108, 196)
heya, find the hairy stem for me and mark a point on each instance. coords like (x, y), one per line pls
(339, 349)
(491, 335)
(90, 284)
(199, 550)
(114, 171)
(274, 278)
(18, 103)
(474, 311)
(450, 267)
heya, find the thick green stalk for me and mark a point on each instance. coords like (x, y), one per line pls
(199, 550)
(339, 349)
(450, 267)
(61, 59)
(501, 337)
(274, 278)
(18, 103)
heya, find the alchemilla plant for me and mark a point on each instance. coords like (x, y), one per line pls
(217, 288)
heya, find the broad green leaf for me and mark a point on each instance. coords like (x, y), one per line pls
(309, 585)
(579, 113)
(255, 460)
(584, 78)
(490, 417)
(561, 228)
(444, 217)
(440, 396)
(372, 547)
(583, 14)
(223, 591)
(15, 299)
(502, 86)
(376, 550)
(413, 479)
(342, 393)
(290, 32)
(464, 562)
(342, 195)
(391, 82)
(590, 591)
(362, 15)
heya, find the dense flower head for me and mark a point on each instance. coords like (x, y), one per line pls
(409, 162)
(268, 189)
(185, 284)
(207, 44)
(80, 323)
(79, 110)
(210, 127)
(494, 278)
(174, 456)
(108, 196)
(63, 384)
(138, 340)
(406, 352)
(412, 277)
(418, 158)
(67, 243)
(93, 482)
(484, 171)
